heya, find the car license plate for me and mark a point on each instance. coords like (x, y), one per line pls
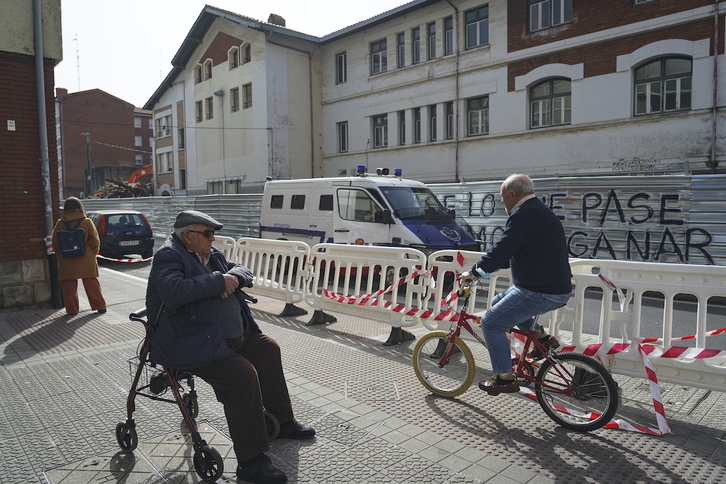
(128, 242)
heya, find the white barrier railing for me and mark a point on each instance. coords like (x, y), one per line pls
(359, 270)
(601, 319)
(661, 288)
(226, 245)
(278, 265)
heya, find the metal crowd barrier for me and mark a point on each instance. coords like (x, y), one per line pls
(393, 286)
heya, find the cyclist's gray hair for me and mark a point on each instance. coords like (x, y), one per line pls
(520, 184)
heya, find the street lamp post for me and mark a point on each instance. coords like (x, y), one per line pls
(89, 169)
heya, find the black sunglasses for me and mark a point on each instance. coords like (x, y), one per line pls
(205, 233)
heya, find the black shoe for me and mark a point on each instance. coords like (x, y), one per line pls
(101, 311)
(260, 470)
(497, 385)
(295, 430)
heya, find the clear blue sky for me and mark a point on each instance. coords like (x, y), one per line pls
(125, 47)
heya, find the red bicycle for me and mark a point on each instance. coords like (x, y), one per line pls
(574, 390)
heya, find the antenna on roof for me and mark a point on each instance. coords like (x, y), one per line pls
(78, 62)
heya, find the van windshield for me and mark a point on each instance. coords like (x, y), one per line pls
(414, 202)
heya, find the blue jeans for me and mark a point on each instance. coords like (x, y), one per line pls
(514, 307)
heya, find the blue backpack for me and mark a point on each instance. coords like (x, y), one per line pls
(70, 240)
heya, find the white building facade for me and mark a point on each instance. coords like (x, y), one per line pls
(451, 91)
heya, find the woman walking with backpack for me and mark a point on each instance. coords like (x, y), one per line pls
(77, 260)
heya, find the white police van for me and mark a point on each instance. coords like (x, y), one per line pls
(380, 209)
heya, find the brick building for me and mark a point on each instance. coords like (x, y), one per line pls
(28, 184)
(117, 136)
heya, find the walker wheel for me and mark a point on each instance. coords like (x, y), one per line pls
(190, 401)
(271, 425)
(126, 436)
(208, 463)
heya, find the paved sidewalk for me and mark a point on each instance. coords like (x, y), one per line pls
(65, 380)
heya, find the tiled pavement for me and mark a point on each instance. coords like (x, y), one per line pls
(64, 382)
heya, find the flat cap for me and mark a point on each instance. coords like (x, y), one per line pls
(192, 217)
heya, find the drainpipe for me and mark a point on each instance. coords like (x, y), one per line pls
(456, 94)
(56, 298)
(714, 109)
(312, 118)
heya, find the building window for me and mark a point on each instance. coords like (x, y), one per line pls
(248, 54)
(207, 69)
(431, 37)
(247, 96)
(197, 74)
(210, 107)
(341, 68)
(233, 57)
(139, 160)
(433, 135)
(379, 56)
(449, 112)
(181, 138)
(402, 128)
(215, 187)
(163, 163)
(477, 27)
(477, 116)
(137, 141)
(544, 14)
(343, 137)
(199, 112)
(183, 179)
(401, 51)
(234, 99)
(550, 103)
(137, 122)
(448, 36)
(663, 85)
(380, 131)
(415, 45)
(416, 125)
(163, 127)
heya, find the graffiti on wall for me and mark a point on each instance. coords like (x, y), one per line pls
(635, 164)
(606, 223)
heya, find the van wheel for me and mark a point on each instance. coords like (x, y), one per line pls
(392, 277)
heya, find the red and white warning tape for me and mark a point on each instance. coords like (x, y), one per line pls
(372, 300)
(99, 256)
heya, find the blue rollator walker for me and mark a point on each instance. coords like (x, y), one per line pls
(152, 381)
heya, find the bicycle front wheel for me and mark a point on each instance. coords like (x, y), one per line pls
(444, 378)
(576, 391)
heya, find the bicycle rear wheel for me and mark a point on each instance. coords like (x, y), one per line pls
(592, 399)
(450, 379)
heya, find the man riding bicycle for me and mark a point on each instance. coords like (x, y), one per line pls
(534, 247)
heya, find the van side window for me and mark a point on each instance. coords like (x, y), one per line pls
(297, 202)
(326, 203)
(356, 205)
(276, 201)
